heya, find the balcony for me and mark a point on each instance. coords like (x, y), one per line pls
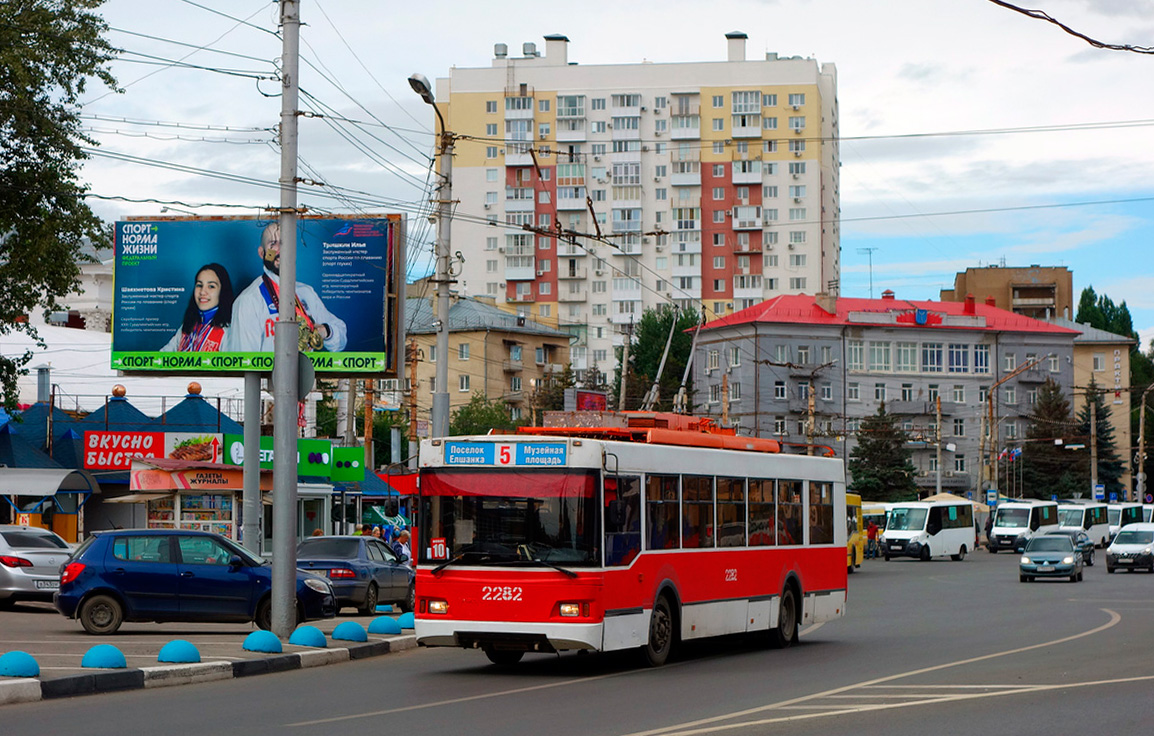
(512, 298)
(519, 205)
(571, 130)
(568, 250)
(747, 218)
(746, 172)
(573, 273)
(513, 366)
(570, 204)
(685, 127)
(574, 297)
(513, 397)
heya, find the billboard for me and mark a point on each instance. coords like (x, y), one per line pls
(202, 294)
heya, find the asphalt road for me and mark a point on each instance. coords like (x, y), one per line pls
(937, 648)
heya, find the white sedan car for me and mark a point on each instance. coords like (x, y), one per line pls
(30, 560)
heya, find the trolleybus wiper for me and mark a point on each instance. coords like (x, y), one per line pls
(529, 557)
(450, 561)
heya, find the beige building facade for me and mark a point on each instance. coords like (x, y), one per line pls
(1038, 292)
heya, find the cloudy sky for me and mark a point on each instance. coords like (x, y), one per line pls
(972, 135)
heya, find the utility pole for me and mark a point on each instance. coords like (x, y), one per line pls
(990, 438)
(809, 425)
(725, 399)
(443, 276)
(286, 346)
(938, 441)
(870, 252)
(370, 402)
(811, 408)
(1140, 485)
(413, 357)
(1093, 399)
(625, 363)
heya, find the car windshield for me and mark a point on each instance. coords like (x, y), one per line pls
(1115, 515)
(1134, 537)
(28, 539)
(1070, 517)
(1050, 544)
(903, 519)
(509, 516)
(330, 547)
(1012, 518)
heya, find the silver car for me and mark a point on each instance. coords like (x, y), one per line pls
(30, 559)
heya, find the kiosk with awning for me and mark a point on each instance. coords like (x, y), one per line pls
(51, 498)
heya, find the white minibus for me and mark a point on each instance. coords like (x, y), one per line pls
(1090, 517)
(1017, 522)
(925, 530)
(1122, 514)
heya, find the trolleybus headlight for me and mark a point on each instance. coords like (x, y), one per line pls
(439, 607)
(570, 609)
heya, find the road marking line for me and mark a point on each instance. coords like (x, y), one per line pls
(678, 729)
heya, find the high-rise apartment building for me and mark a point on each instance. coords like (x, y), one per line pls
(711, 185)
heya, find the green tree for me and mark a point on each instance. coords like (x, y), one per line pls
(479, 416)
(1109, 464)
(645, 351)
(1046, 467)
(549, 395)
(49, 50)
(880, 463)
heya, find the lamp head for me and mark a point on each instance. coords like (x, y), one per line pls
(421, 86)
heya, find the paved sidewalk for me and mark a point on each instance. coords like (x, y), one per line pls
(58, 646)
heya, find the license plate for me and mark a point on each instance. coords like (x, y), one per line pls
(1124, 561)
(1045, 568)
(48, 584)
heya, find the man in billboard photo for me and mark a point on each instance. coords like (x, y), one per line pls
(207, 317)
(256, 308)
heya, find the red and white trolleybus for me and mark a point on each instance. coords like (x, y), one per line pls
(661, 529)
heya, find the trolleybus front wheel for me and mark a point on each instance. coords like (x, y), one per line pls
(660, 634)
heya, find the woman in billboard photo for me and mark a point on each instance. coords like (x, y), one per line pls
(208, 315)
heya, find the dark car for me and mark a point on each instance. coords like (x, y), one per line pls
(30, 559)
(363, 571)
(1082, 542)
(175, 575)
(1050, 556)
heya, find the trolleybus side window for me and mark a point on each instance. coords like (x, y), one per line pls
(622, 519)
(731, 512)
(820, 512)
(697, 510)
(790, 522)
(662, 512)
(762, 519)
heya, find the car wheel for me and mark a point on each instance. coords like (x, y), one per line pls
(369, 607)
(263, 617)
(410, 603)
(503, 657)
(849, 569)
(993, 550)
(101, 614)
(887, 558)
(925, 553)
(1022, 578)
(1074, 578)
(7, 603)
(1109, 569)
(961, 555)
(1090, 560)
(1080, 573)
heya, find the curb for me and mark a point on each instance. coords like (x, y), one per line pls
(106, 681)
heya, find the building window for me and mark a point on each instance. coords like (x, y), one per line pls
(714, 360)
(853, 392)
(1011, 394)
(718, 125)
(1054, 364)
(855, 355)
(803, 354)
(827, 392)
(490, 152)
(598, 103)
(718, 101)
(719, 170)
(735, 357)
(1032, 396)
(798, 98)
(983, 394)
(797, 283)
(1011, 430)
(463, 382)
(959, 427)
(1099, 362)
(734, 391)
(959, 463)
(907, 357)
(719, 147)
(1009, 362)
(959, 358)
(879, 392)
(907, 392)
(714, 393)
(981, 359)
(959, 394)
(879, 356)
(933, 392)
(781, 353)
(826, 354)
(490, 106)
(932, 357)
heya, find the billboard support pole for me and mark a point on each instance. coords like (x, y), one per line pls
(285, 344)
(251, 506)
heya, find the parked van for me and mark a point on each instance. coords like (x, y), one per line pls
(1017, 522)
(925, 530)
(855, 532)
(1122, 514)
(875, 512)
(1091, 517)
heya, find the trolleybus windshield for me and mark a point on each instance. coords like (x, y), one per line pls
(510, 517)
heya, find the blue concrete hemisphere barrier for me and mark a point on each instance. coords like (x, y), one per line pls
(263, 641)
(308, 636)
(384, 625)
(18, 664)
(350, 631)
(406, 620)
(179, 651)
(105, 657)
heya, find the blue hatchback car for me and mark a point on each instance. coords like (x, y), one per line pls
(175, 575)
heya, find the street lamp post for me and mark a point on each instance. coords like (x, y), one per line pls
(442, 277)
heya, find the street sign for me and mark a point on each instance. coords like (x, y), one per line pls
(24, 519)
(1100, 492)
(992, 497)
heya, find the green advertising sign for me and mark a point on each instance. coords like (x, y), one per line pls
(314, 457)
(348, 464)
